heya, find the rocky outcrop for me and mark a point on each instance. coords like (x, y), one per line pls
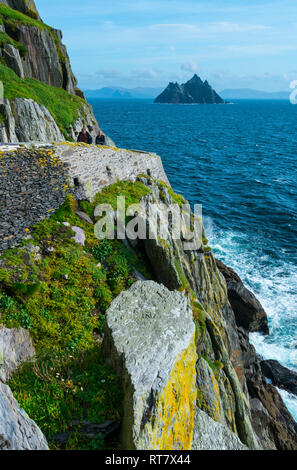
(194, 272)
(194, 91)
(280, 376)
(28, 121)
(46, 58)
(150, 341)
(17, 430)
(229, 390)
(271, 420)
(35, 50)
(248, 311)
(13, 59)
(16, 346)
(211, 435)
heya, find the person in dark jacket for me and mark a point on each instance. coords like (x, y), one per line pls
(85, 137)
(100, 139)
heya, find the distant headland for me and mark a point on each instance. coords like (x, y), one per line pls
(194, 91)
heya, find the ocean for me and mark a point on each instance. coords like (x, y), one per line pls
(240, 162)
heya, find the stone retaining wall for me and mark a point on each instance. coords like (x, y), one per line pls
(91, 168)
(32, 185)
(35, 178)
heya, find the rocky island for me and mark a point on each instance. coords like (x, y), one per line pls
(195, 91)
(110, 343)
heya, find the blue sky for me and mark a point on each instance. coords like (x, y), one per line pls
(130, 43)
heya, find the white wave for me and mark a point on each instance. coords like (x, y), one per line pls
(290, 401)
(274, 284)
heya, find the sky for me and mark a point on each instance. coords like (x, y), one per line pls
(148, 43)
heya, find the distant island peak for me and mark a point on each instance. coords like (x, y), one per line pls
(192, 92)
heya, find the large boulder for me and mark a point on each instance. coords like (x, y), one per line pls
(17, 430)
(281, 376)
(16, 346)
(248, 311)
(150, 341)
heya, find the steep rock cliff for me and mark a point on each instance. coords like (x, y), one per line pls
(35, 70)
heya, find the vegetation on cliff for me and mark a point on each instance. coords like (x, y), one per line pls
(63, 106)
(60, 291)
(34, 64)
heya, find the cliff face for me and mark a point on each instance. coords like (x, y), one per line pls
(187, 376)
(34, 64)
(166, 359)
(194, 91)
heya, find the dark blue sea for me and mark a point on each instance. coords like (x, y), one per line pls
(240, 162)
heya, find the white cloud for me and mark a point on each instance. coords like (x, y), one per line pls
(144, 73)
(226, 27)
(190, 67)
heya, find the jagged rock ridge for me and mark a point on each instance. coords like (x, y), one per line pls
(194, 91)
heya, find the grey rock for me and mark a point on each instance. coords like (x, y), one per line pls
(138, 276)
(7, 130)
(208, 398)
(34, 122)
(80, 236)
(281, 376)
(16, 346)
(210, 435)
(17, 430)
(248, 311)
(13, 59)
(149, 336)
(243, 421)
(82, 215)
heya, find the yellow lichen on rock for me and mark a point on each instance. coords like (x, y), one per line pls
(172, 424)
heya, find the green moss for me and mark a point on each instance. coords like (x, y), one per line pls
(87, 207)
(63, 106)
(5, 39)
(132, 191)
(176, 198)
(14, 17)
(55, 390)
(216, 366)
(102, 250)
(207, 249)
(63, 313)
(181, 275)
(199, 316)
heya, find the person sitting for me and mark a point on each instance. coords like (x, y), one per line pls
(85, 137)
(100, 139)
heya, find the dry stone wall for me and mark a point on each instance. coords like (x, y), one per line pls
(34, 179)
